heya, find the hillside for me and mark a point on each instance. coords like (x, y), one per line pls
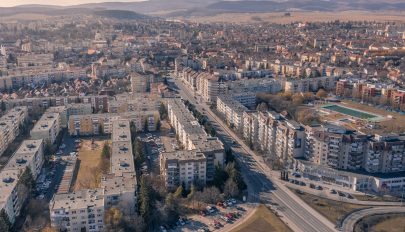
(208, 7)
(120, 14)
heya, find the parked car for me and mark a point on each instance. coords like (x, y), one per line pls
(318, 187)
(240, 208)
(332, 191)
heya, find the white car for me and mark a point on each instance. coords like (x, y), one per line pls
(62, 146)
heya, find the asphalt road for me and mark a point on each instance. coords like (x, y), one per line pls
(351, 220)
(263, 187)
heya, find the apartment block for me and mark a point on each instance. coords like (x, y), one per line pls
(209, 87)
(335, 147)
(232, 110)
(10, 126)
(34, 60)
(120, 185)
(255, 85)
(94, 124)
(82, 210)
(140, 83)
(134, 102)
(290, 140)
(183, 167)
(38, 105)
(47, 127)
(385, 154)
(193, 137)
(28, 155)
(309, 84)
(250, 126)
(267, 128)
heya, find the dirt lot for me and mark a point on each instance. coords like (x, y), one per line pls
(313, 16)
(332, 210)
(89, 156)
(262, 220)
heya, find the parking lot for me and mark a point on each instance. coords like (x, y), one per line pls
(316, 188)
(156, 143)
(221, 217)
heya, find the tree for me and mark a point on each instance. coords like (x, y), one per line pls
(298, 99)
(106, 152)
(5, 224)
(133, 131)
(3, 106)
(231, 188)
(145, 200)
(170, 209)
(162, 111)
(321, 94)
(47, 150)
(113, 219)
(179, 192)
(137, 150)
(145, 125)
(211, 195)
(220, 177)
(158, 125)
(27, 179)
(262, 107)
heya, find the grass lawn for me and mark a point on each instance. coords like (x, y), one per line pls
(263, 220)
(382, 223)
(393, 224)
(89, 173)
(376, 198)
(332, 210)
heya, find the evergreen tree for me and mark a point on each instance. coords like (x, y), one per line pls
(145, 200)
(27, 179)
(3, 106)
(162, 111)
(158, 125)
(5, 224)
(133, 131)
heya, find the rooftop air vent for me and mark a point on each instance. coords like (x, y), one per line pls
(8, 180)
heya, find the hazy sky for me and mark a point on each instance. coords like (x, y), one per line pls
(6, 3)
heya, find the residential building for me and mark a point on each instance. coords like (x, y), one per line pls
(385, 154)
(193, 137)
(47, 127)
(183, 168)
(290, 140)
(310, 84)
(232, 110)
(29, 155)
(10, 126)
(82, 210)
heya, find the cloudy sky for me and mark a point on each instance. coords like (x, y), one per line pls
(7, 3)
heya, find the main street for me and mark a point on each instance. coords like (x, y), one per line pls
(263, 186)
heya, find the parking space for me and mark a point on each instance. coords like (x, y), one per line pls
(315, 188)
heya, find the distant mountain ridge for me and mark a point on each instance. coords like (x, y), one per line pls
(202, 7)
